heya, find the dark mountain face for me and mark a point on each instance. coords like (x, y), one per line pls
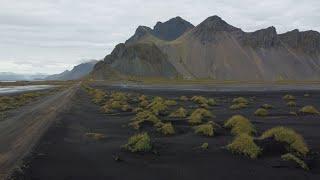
(77, 72)
(306, 42)
(168, 31)
(172, 29)
(217, 50)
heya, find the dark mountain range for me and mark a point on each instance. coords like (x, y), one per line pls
(77, 72)
(217, 50)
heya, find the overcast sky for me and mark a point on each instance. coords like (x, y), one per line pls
(49, 36)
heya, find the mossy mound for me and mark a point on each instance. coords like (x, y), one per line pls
(207, 129)
(261, 112)
(166, 129)
(179, 113)
(198, 115)
(238, 106)
(239, 100)
(266, 106)
(170, 102)
(139, 143)
(293, 141)
(158, 106)
(288, 97)
(205, 146)
(309, 110)
(245, 145)
(240, 125)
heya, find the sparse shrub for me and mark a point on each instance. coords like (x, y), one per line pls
(144, 103)
(266, 106)
(96, 136)
(205, 146)
(139, 143)
(293, 113)
(158, 106)
(240, 125)
(294, 142)
(143, 98)
(197, 116)
(170, 102)
(295, 159)
(291, 104)
(167, 129)
(244, 144)
(238, 106)
(239, 100)
(137, 110)
(98, 96)
(184, 98)
(288, 97)
(309, 110)
(261, 112)
(179, 113)
(119, 96)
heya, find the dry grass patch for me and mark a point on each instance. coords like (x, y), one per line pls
(205, 146)
(207, 129)
(266, 106)
(293, 141)
(240, 125)
(309, 110)
(245, 145)
(144, 116)
(139, 143)
(158, 106)
(238, 106)
(170, 102)
(239, 100)
(291, 104)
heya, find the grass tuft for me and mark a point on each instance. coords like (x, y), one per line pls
(198, 115)
(288, 97)
(139, 143)
(309, 110)
(205, 129)
(291, 104)
(261, 112)
(294, 142)
(240, 125)
(96, 136)
(205, 146)
(295, 159)
(244, 144)
(166, 129)
(266, 106)
(179, 113)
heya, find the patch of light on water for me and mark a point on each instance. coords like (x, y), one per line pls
(18, 89)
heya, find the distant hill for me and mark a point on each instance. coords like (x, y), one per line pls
(77, 72)
(8, 76)
(215, 50)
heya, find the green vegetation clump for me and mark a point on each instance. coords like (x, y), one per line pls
(96, 136)
(309, 110)
(244, 144)
(291, 104)
(295, 159)
(199, 100)
(144, 116)
(294, 142)
(144, 103)
(239, 100)
(198, 115)
(98, 96)
(238, 106)
(170, 102)
(205, 146)
(266, 106)
(119, 96)
(288, 97)
(240, 125)
(158, 106)
(179, 113)
(184, 98)
(139, 143)
(205, 129)
(166, 129)
(212, 102)
(261, 112)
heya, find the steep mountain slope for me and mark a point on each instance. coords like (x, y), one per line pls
(77, 72)
(216, 50)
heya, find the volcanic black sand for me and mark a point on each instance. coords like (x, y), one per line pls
(65, 152)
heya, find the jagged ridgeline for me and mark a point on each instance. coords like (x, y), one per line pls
(214, 50)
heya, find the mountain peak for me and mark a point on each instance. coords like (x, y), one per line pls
(172, 29)
(216, 23)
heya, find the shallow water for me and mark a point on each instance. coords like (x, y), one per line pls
(19, 89)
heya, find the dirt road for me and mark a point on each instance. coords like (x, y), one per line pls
(20, 133)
